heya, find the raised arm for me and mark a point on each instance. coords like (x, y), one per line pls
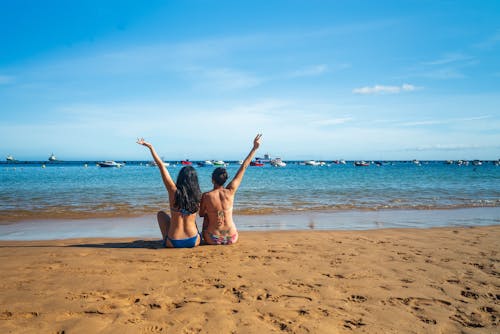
(165, 175)
(235, 183)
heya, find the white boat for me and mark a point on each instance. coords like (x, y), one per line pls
(312, 163)
(10, 158)
(219, 163)
(153, 164)
(278, 163)
(52, 157)
(477, 162)
(109, 163)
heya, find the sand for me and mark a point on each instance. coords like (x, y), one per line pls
(441, 280)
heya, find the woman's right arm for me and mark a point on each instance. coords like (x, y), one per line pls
(235, 183)
(165, 175)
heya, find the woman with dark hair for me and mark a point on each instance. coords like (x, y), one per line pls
(217, 205)
(180, 230)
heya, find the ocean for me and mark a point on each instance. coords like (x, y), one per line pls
(69, 190)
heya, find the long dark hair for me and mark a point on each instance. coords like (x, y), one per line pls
(188, 194)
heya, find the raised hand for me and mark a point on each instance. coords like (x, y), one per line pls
(141, 141)
(256, 141)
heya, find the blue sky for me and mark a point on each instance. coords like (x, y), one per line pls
(320, 79)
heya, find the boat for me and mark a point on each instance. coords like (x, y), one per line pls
(219, 163)
(361, 164)
(416, 162)
(10, 158)
(52, 157)
(109, 163)
(278, 163)
(256, 163)
(312, 163)
(186, 162)
(267, 158)
(477, 162)
(204, 163)
(154, 164)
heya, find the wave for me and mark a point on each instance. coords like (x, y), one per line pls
(117, 210)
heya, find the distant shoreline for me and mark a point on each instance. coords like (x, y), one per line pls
(143, 162)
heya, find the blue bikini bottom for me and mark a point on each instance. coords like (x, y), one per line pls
(182, 243)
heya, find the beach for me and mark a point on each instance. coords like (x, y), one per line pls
(434, 280)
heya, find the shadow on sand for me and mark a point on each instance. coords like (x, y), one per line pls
(150, 244)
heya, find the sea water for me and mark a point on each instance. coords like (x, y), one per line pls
(72, 190)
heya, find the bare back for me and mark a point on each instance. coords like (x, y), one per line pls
(217, 208)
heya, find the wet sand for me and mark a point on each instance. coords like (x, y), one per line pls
(440, 280)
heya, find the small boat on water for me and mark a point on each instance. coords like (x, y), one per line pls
(186, 162)
(204, 163)
(266, 158)
(257, 163)
(219, 163)
(361, 164)
(52, 157)
(278, 163)
(477, 162)
(154, 164)
(109, 163)
(10, 158)
(312, 163)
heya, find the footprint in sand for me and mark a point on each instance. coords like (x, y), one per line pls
(153, 329)
(352, 324)
(357, 299)
(467, 293)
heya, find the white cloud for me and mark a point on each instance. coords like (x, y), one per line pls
(444, 121)
(448, 58)
(449, 66)
(310, 71)
(380, 89)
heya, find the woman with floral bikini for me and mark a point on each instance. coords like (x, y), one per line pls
(217, 205)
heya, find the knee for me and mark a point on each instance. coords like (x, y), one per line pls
(162, 216)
